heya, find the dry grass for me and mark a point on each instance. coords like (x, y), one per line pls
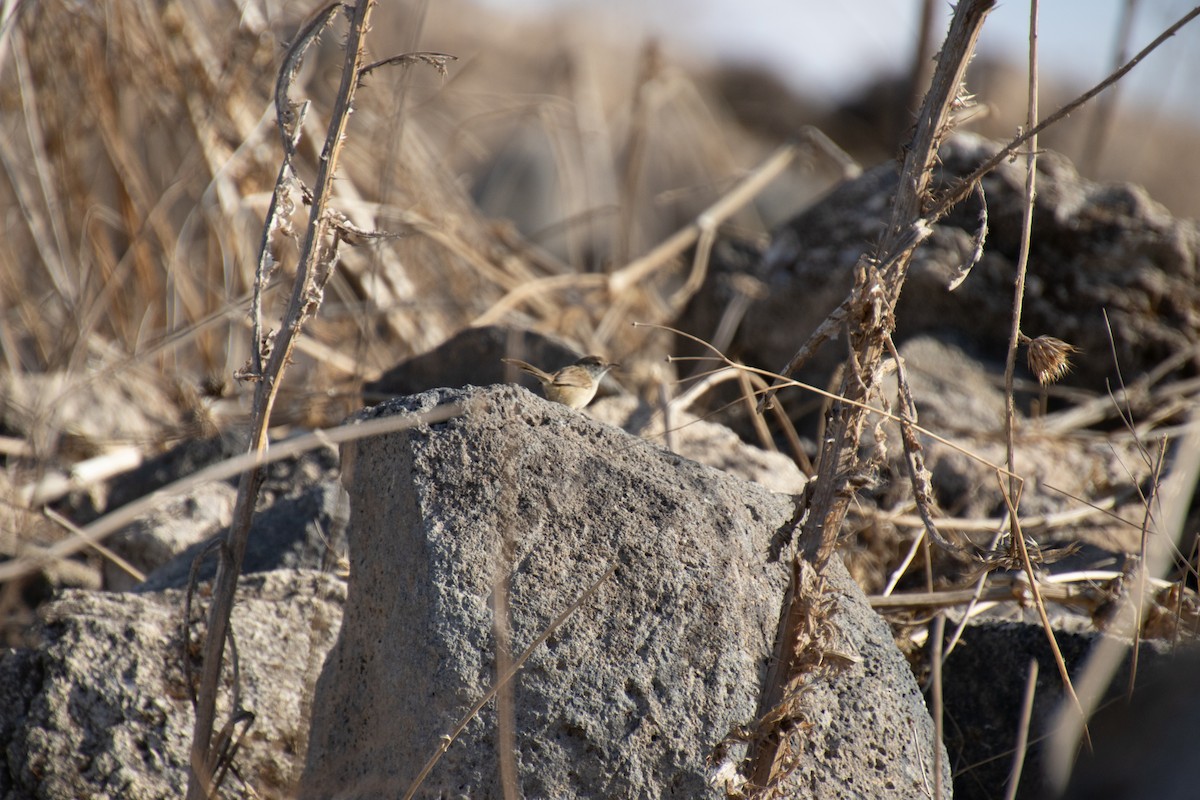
(134, 198)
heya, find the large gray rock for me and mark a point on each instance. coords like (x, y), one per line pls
(1106, 261)
(633, 692)
(101, 708)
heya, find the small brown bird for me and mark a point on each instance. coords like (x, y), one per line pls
(574, 385)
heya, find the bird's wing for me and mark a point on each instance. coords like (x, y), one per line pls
(573, 377)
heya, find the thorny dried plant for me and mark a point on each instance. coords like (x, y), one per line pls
(213, 748)
(815, 658)
(1049, 358)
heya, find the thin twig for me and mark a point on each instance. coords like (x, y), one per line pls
(756, 420)
(1140, 589)
(898, 573)
(1072, 516)
(502, 680)
(997, 588)
(303, 304)
(1014, 775)
(1040, 605)
(1014, 337)
(935, 691)
(914, 459)
(116, 559)
(436, 60)
(1012, 495)
(728, 204)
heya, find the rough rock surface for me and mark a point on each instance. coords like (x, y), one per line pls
(301, 522)
(983, 684)
(307, 531)
(631, 694)
(101, 709)
(1095, 248)
(170, 528)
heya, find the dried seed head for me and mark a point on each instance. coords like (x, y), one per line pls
(1049, 358)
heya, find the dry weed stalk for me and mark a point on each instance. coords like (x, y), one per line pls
(1019, 550)
(878, 281)
(1014, 775)
(914, 457)
(273, 350)
(1165, 513)
(965, 186)
(941, 205)
(811, 658)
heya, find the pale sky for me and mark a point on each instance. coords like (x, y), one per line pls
(833, 48)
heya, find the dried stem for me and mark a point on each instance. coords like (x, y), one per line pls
(1014, 775)
(1014, 338)
(935, 690)
(914, 458)
(303, 304)
(877, 288)
(878, 282)
(1018, 549)
(1039, 604)
(1142, 577)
